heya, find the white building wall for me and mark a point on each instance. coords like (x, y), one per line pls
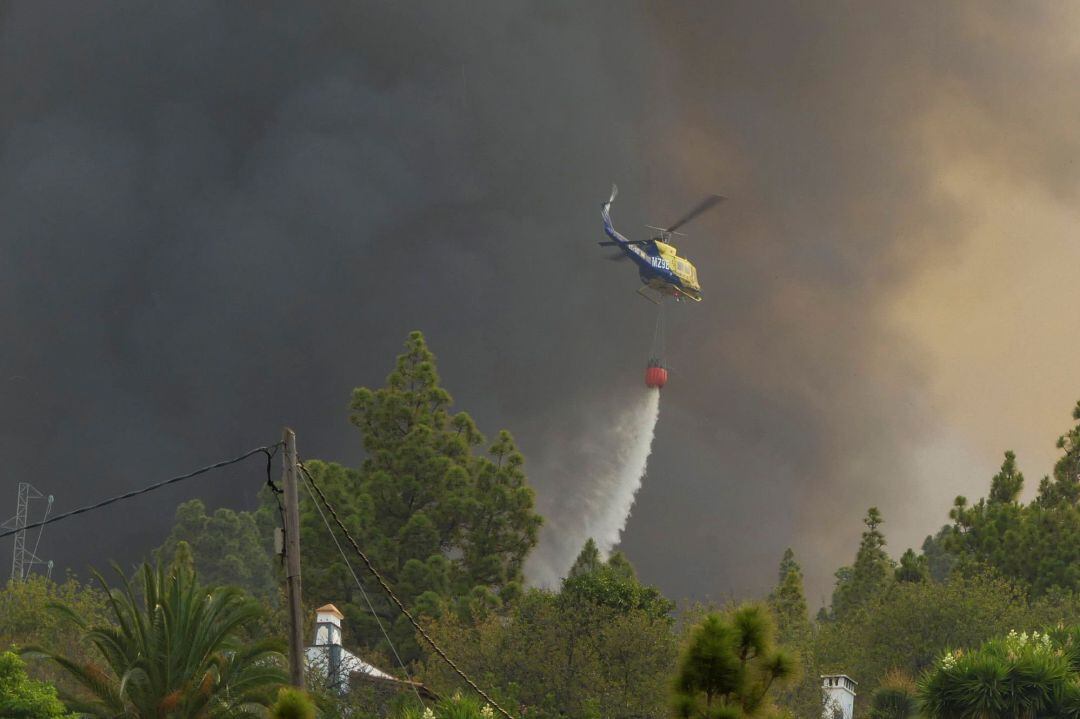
(839, 696)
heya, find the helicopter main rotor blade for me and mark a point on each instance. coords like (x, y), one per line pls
(706, 204)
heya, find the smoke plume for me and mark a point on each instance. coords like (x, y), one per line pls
(219, 218)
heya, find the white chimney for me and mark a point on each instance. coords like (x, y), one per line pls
(838, 694)
(328, 626)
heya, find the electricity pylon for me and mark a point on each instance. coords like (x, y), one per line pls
(23, 559)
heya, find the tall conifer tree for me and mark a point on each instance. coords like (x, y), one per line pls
(871, 572)
(788, 602)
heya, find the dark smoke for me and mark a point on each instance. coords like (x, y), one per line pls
(219, 218)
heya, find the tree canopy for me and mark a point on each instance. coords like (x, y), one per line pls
(788, 601)
(603, 646)
(227, 547)
(1037, 544)
(27, 620)
(445, 515)
(729, 665)
(612, 583)
(23, 698)
(871, 572)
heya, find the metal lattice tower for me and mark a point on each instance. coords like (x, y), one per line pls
(23, 559)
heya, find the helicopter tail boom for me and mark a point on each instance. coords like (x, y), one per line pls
(609, 228)
(610, 243)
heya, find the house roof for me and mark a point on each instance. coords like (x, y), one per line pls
(395, 682)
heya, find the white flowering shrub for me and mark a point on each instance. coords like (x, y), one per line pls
(1022, 674)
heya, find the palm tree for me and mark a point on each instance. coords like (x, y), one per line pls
(173, 652)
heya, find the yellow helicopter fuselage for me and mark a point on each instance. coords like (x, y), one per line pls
(682, 268)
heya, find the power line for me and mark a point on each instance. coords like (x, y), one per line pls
(268, 450)
(364, 594)
(390, 593)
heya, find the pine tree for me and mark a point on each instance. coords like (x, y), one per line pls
(913, 568)
(588, 560)
(730, 665)
(788, 602)
(939, 560)
(226, 547)
(871, 573)
(621, 566)
(1064, 488)
(432, 491)
(446, 516)
(1006, 485)
(613, 584)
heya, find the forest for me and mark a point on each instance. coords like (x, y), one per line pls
(983, 619)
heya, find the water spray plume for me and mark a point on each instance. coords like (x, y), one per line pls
(616, 461)
(618, 485)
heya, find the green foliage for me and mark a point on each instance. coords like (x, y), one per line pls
(870, 575)
(26, 620)
(939, 560)
(1064, 489)
(729, 666)
(588, 559)
(907, 627)
(990, 532)
(292, 704)
(23, 698)
(913, 568)
(1000, 565)
(171, 649)
(456, 706)
(1018, 675)
(226, 546)
(788, 602)
(1038, 544)
(612, 584)
(1006, 485)
(448, 522)
(894, 698)
(600, 647)
(793, 629)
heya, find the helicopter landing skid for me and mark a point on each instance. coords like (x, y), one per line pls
(649, 296)
(683, 293)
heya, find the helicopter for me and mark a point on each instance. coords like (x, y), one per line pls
(662, 271)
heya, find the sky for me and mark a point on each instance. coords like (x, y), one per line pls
(218, 219)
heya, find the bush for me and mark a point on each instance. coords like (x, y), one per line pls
(292, 704)
(1019, 675)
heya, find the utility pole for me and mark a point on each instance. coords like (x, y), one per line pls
(292, 558)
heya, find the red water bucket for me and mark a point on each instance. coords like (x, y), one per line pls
(655, 377)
